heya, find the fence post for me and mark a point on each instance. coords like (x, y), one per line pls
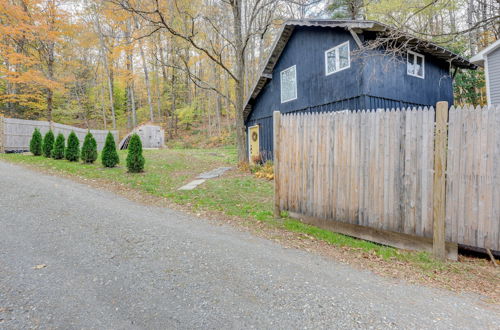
(2, 135)
(439, 185)
(276, 146)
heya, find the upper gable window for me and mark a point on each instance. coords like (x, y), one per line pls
(415, 65)
(288, 84)
(337, 58)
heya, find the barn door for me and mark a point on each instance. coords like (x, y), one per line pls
(253, 137)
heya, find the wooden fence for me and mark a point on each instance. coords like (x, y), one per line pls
(473, 177)
(376, 174)
(15, 134)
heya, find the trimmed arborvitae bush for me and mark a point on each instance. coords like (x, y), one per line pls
(89, 149)
(36, 143)
(135, 160)
(109, 154)
(48, 143)
(72, 152)
(59, 146)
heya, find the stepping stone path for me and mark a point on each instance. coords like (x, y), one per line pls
(191, 185)
(214, 173)
(204, 176)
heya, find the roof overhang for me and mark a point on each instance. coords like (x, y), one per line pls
(357, 26)
(478, 59)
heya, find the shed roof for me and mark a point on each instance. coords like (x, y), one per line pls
(479, 57)
(356, 26)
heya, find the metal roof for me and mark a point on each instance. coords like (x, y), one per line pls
(358, 26)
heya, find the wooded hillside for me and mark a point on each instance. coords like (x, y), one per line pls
(184, 63)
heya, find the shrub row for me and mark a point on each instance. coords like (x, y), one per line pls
(58, 149)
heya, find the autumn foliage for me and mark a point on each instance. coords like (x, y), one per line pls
(31, 42)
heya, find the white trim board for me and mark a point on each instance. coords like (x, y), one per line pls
(415, 61)
(337, 58)
(281, 84)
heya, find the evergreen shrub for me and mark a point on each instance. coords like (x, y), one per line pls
(135, 160)
(36, 143)
(109, 154)
(72, 152)
(59, 146)
(48, 143)
(89, 149)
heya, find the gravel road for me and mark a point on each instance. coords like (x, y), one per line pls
(114, 264)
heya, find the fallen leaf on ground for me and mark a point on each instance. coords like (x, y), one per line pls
(40, 266)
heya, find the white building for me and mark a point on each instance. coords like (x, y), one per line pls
(489, 58)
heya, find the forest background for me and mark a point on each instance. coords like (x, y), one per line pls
(189, 65)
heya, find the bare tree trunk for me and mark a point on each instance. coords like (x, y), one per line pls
(157, 78)
(50, 92)
(470, 23)
(163, 73)
(111, 94)
(240, 82)
(130, 81)
(453, 21)
(108, 73)
(173, 106)
(228, 105)
(103, 108)
(50, 71)
(217, 102)
(8, 88)
(146, 75)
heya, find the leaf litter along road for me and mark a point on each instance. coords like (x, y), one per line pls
(118, 264)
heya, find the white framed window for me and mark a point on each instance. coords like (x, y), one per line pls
(415, 65)
(337, 58)
(288, 78)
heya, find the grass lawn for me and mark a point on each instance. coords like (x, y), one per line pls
(240, 195)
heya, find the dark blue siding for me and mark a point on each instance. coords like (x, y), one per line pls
(306, 49)
(374, 80)
(385, 77)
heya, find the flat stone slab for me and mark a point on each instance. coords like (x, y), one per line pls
(213, 173)
(191, 185)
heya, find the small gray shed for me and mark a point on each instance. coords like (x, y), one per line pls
(489, 58)
(152, 137)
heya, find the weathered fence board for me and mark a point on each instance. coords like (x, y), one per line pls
(355, 167)
(473, 177)
(17, 133)
(376, 169)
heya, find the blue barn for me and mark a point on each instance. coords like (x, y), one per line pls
(332, 65)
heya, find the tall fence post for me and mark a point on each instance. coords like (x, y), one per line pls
(2, 135)
(439, 185)
(276, 147)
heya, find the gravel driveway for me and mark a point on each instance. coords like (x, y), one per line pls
(114, 264)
